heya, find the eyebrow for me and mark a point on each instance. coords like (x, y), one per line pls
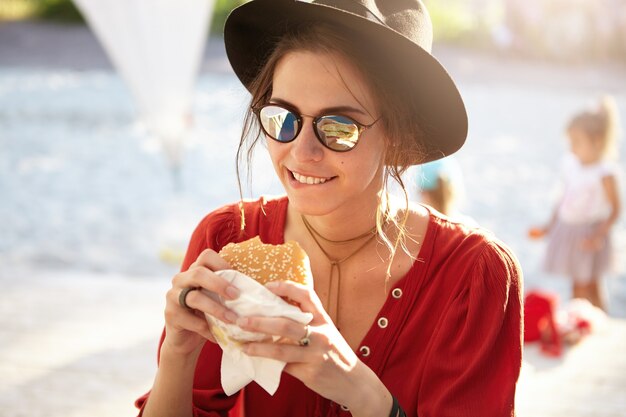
(326, 110)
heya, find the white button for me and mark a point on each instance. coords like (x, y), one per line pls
(344, 408)
(383, 322)
(365, 350)
(396, 293)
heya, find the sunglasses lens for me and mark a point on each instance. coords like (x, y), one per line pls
(338, 133)
(279, 123)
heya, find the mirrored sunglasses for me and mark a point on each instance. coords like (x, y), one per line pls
(337, 133)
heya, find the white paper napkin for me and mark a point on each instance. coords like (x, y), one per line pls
(239, 369)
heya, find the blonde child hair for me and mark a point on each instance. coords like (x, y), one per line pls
(601, 124)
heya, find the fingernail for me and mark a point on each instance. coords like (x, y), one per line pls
(242, 321)
(272, 284)
(232, 292)
(231, 317)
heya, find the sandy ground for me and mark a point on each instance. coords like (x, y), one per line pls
(84, 343)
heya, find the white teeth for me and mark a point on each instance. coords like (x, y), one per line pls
(309, 180)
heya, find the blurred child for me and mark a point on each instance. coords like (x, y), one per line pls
(579, 244)
(441, 186)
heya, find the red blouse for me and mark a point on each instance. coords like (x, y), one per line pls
(447, 341)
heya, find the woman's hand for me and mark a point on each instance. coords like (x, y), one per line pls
(327, 365)
(186, 329)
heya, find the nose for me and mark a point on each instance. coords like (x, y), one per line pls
(306, 147)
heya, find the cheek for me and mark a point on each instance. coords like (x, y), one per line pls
(274, 149)
(367, 164)
(375, 152)
(276, 153)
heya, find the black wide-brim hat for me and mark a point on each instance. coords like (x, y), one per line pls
(396, 32)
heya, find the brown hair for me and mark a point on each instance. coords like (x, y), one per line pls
(600, 124)
(396, 112)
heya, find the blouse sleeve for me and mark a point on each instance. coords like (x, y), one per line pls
(475, 356)
(214, 231)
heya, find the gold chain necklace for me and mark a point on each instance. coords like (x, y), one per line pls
(336, 263)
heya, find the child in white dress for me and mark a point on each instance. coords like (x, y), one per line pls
(579, 244)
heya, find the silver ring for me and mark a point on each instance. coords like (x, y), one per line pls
(182, 297)
(306, 341)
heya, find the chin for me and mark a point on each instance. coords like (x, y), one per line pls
(313, 205)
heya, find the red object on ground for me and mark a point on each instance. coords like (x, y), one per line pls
(539, 321)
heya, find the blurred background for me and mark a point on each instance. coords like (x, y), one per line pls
(97, 200)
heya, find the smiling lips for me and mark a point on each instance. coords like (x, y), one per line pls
(303, 179)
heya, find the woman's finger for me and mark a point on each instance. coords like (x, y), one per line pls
(274, 326)
(278, 351)
(202, 277)
(301, 294)
(191, 320)
(212, 260)
(198, 300)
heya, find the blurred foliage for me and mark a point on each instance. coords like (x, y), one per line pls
(450, 20)
(456, 21)
(220, 11)
(546, 29)
(59, 10)
(53, 10)
(65, 11)
(17, 9)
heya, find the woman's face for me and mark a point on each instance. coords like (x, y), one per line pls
(317, 180)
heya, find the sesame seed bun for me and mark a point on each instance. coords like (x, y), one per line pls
(266, 262)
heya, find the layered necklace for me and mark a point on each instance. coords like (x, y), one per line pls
(335, 263)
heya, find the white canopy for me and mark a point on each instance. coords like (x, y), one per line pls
(156, 46)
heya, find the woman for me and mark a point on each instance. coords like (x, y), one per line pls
(412, 314)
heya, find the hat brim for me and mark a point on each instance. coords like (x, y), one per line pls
(252, 29)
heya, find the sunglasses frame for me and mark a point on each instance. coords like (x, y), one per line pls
(299, 118)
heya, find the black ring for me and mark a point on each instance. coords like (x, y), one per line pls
(306, 341)
(182, 297)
